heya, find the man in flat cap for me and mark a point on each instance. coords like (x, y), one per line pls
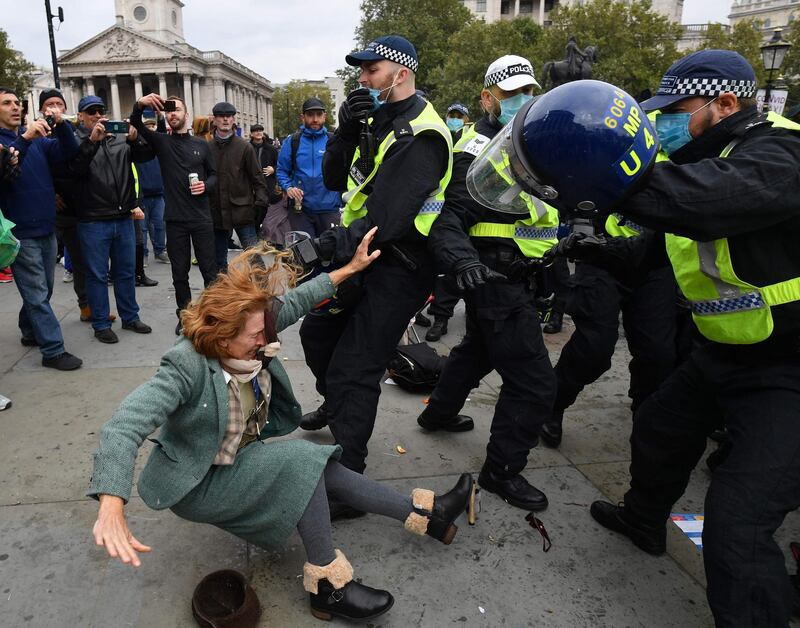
(241, 191)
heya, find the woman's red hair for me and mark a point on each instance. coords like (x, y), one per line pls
(249, 286)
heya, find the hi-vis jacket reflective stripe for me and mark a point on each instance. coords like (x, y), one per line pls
(725, 308)
(534, 235)
(355, 197)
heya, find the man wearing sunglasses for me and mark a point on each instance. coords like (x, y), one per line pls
(108, 201)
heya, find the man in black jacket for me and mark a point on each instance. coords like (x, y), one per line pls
(267, 156)
(106, 206)
(187, 213)
(394, 187)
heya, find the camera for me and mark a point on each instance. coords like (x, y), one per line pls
(303, 250)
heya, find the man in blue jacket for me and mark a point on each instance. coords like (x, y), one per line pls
(30, 202)
(316, 208)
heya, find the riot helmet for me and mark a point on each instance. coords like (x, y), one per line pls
(581, 147)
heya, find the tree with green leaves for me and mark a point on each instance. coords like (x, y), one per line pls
(15, 70)
(635, 43)
(472, 50)
(745, 38)
(287, 105)
(427, 24)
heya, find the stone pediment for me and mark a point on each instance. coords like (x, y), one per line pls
(117, 44)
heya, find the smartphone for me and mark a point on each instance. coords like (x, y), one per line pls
(116, 126)
(170, 105)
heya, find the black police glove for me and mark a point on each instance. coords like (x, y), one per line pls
(325, 245)
(356, 108)
(471, 274)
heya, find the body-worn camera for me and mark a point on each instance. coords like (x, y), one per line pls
(303, 250)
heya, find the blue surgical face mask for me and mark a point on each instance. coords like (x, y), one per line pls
(376, 95)
(673, 129)
(510, 106)
(454, 124)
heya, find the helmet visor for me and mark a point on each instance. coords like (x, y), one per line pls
(497, 179)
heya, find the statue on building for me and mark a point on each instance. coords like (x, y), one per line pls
(117, 46)
(577, 64)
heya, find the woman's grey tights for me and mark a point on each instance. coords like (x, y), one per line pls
(353, 489)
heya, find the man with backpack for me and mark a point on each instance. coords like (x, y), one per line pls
(313, 208)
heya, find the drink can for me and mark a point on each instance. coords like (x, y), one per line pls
(193, 178)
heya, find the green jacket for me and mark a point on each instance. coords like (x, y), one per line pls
(188, 399)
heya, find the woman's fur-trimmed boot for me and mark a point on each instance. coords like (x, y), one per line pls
(334, 593)
(434, 516)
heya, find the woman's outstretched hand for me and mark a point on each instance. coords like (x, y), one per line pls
(360, 261)
(111, 531)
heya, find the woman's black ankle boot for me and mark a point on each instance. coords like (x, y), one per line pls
(434, 515)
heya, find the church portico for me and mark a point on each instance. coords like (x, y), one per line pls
(145, 52)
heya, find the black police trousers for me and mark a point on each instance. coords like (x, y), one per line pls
(648, 317)
(348, 352)
(503, 334)
(758, 399)
(445, 298)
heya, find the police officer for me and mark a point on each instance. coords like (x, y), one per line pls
(392, 155)
(728, 201)
(647, 300)
(493, 256)
(457, 120)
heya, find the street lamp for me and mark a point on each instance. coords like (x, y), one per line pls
(50, 16)
(772, 54)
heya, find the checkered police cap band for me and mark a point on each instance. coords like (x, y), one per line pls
(672, 85)
(501, 75)
(398, 57)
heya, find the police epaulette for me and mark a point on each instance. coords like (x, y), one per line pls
(402, 128)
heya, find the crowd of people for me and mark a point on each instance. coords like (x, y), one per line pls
(682, 218)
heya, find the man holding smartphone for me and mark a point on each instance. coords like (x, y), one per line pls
(187, 213)
(107, 204)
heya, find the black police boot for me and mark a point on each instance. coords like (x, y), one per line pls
(513, 489)
(555, 323)
(422, 320)
(651, 539)
(437, 330)
(552, 430)
(316, 420)
(434, 515)
(459, 423)
(333, 592)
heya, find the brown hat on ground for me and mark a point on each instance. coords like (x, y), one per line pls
(223, 599)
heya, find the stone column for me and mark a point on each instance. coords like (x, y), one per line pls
(228, 92)
(89, 86)
(196, 95)
(162, 85)
(115, 108)
(187, 93)
(541, 12)
(268, 123)
(137, 86)
(69, 95)
(219, 90)
(515, 10)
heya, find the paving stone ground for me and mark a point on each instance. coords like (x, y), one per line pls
(494, 573)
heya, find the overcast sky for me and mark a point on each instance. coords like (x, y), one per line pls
(279, 39)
